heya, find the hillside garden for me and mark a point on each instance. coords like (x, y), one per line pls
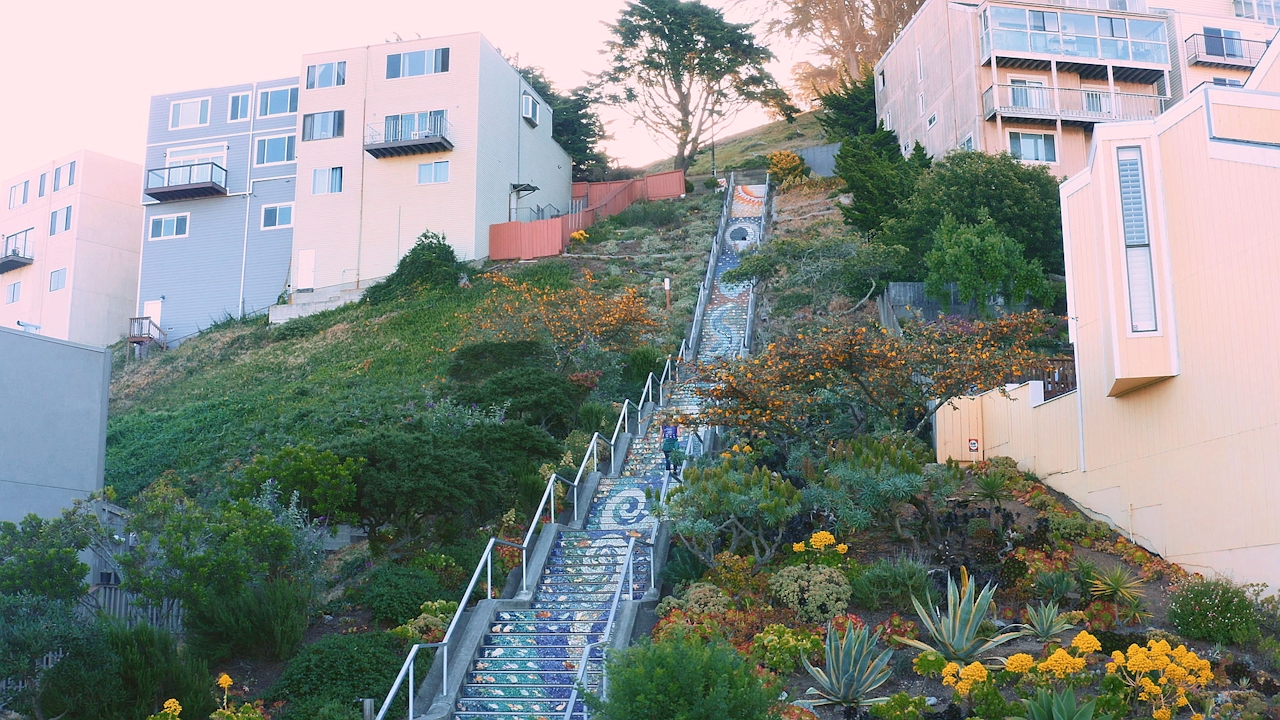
(427, 417)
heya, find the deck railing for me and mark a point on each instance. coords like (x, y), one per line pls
(1224, 51)
(1058, 375)
(1082, 105)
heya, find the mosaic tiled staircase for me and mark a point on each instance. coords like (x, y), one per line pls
(528, 663)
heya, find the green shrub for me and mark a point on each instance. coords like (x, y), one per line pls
(703, 597)
(817, 592)
(265, 621)
(688, 186)
(710, 183)
(338, 669)
(477, 361)
(595, 416)
(641, 361)
(1214, 610)
(429, 265)
(780, 648)
(889, 583)
(683, 567)
(687, 678)
(394, 593)
(549, 274)
(900, 706)
(656, 215)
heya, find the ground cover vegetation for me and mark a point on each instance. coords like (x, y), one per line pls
(428, 416)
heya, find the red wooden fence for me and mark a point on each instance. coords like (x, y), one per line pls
(543, 238)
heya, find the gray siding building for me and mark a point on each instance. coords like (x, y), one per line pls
(55, 419)
(219, 192)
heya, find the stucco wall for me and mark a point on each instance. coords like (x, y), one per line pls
(55, 404)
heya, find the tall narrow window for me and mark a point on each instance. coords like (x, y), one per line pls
(919, 65)
(12, 293)
(64, 176)
(60, 221)
(44, 178)
(239, 107)
(1137, 241)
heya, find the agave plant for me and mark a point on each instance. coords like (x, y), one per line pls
(1058, 706)
(1044, 622)
(1054, 585)
(1117, 585)
(853, 670)
(994, 488)
(955, 634)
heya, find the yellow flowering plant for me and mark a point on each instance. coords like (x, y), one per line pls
(964, 678)
(172, 710)
(1161, 676)
(821, 548)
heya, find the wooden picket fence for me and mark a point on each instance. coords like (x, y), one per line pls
(544, 238)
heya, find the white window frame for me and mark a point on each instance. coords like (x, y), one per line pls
(262, 224)
(328, 184)
(13, 292)
(529, 109)
(62, 279)
(57, 228)
(966, 143)
(400, 71)
(291, 104)
(933, 120)
(247, 107)
(44, 184)
(921, 114)
(311, 80)
(207, 113)
(1140, 249)
(186, 232)
(337, 125)
(919, 66)
(265, 139)
(435, 168)
(1057, 145)
(70, 167)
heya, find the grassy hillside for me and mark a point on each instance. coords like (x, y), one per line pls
(243, 387)
(734, 150)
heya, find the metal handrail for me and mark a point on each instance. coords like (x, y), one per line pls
(19, 245)
(626, 577)
(376, 133)
(1218, 50)
(187, 175)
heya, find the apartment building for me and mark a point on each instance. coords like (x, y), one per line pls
(1034, 78)
(218, 196)
(298, 193)
(69, 267)
(1172, 236)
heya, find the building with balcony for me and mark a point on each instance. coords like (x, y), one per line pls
(1034, 77)
(1172, 234)
(69, 248)
(218, 193)
(437, 134)
(298, 193)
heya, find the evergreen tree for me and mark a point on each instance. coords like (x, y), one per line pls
(877, 176)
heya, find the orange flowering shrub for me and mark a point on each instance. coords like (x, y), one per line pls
(565, 319)
(831, 378)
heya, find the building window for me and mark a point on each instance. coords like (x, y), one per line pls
(421, 62)
(64, 176)
(239, 107)
(921, 104)
(1137, 241)
(966, 144)
(18, 194)
(170, 226)
(1266, 10)
(529, 109)
(321, 126)
(919, 65)
(888, 119)
(432, 173)
(881, 76)
(277, 216)
(275, 150)
(60, 221)
(933, 119)
(1033, 146)
(1227, 82)
(278, 102)
(1044, 21)
(1223, 43)
(12, 292)
(188, 113)
(326, 75)
(57, 279)
(326, 180)
(44, 177)
(411, 126)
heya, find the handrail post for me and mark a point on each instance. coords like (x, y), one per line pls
(411, 683)
(524, 569)
(444, 687)
(489, 572)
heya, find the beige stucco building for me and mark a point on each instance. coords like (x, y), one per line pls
(439, 133)
(71, 236)
(1035, 78)
(1172, 238)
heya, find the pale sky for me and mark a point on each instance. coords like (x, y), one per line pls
(79, 73)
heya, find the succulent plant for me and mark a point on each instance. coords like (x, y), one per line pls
(853, 669)
(955, 634)
(1044, 621)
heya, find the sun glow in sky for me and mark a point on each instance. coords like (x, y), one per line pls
(79, 73)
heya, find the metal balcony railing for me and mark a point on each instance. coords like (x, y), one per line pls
(18, 251)
(398, 137)
(184, 182)
(1221, 51)
(1069, 104)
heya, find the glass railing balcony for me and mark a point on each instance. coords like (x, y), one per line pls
(1219, 51)
(1072, 36)
(186, 182)
(18, 252)
(1085, 106)
(410, 134)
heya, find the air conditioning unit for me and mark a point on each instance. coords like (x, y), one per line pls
(529, 109)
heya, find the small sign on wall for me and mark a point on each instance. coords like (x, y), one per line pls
(973, 445)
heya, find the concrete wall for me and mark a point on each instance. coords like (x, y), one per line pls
(1176, 431)
(54, 403)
